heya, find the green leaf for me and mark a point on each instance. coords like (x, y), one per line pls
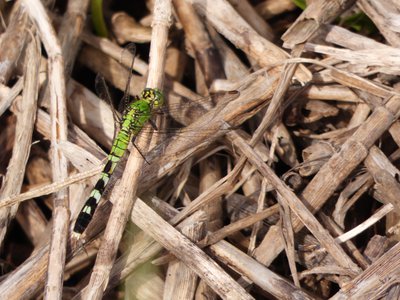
(360, 22)
(300, 3)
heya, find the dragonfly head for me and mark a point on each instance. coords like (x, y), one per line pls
(153, 96)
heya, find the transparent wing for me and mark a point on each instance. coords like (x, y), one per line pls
(103, 92)
(131, 47)
(176, 115)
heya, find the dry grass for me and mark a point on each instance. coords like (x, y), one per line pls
(281, 184)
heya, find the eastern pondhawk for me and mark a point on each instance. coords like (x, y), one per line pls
(136, 114)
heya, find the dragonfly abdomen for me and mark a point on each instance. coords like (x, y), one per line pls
(117, 151)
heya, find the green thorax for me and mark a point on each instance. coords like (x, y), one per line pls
(140, 110)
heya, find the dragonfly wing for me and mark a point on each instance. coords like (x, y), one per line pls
(131, 48)
(103, 92)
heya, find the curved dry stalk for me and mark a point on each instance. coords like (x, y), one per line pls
(126, 29)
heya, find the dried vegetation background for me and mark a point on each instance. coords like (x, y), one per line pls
(284, 184)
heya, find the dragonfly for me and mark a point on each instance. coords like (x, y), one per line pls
(138, 112)
(136, 115)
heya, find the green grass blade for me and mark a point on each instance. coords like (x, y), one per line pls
(98, 18)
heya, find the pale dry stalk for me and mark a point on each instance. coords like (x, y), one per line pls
(70, 35)
(144, 247)
(13, 40)
(7, 95)
(252, 16)
(256, 272)
(210, 172)
(382, 13)
(181, 281)
(126, 29)
(316, 14)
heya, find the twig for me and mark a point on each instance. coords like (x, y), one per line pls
(50, 188)
(256, 272)
(216, 236)
(383, 211)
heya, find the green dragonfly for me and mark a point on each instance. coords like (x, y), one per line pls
(136, 115)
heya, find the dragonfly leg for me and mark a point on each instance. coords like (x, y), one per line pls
(137, 148)
(153, 124)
